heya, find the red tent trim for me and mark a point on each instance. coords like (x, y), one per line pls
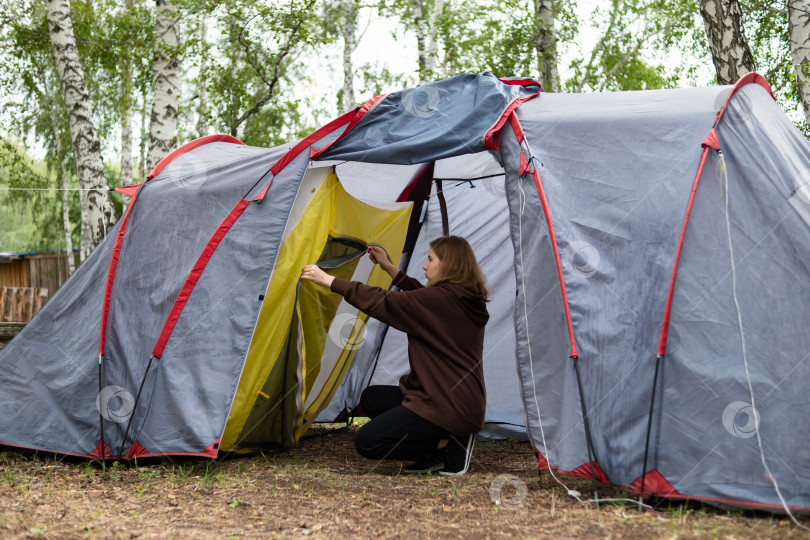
(751, 77)
(492, 138)
(654, 484)
(366, 108)
(583, 471)
(188, 147)
(657, 485)
(111, 270)
(711, 141)
(128, 190)
(98, 453)
(194, 275)
(136, 451)
(307, 141)
(521, 136)
(662, 340)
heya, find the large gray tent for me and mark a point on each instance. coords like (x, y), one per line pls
(649, 262)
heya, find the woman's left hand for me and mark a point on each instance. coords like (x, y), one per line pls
(313, 273)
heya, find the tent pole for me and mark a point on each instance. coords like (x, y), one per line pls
(135, 406)
(442, 207)
(588, 443)
(101, 416)
(649, 429)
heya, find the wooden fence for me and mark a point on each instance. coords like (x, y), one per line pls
(27, 281)
(19, 304)
(8, 330)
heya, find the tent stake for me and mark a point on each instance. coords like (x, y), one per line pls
(134, 406)
(649, 429)
(588, 443)
(101, 416)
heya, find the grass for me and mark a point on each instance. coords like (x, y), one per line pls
(323, 489)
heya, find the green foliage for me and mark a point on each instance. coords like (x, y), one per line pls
(251, 69)
(766, 29)
(27, 205)
(496, 38)
(31, 96)
(377, 79)
(634, 38)
(246, 65)
(31, 203)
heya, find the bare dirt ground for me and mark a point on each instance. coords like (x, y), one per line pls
(323, 489)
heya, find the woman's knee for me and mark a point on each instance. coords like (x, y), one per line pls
(366, 403)
(366, 444)
(377, 399)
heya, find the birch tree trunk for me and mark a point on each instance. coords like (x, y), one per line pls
(97, 212)
(66, 219)
(126, 144)
(144, 112)
(126, 130)
(126, 121)
(419, 21)
(347, 31)
(202, 91)
(126, 147)
(63, 174)
(799, 32)
(433, 43)
(426, 38)
(546, 45)
(730, 52)
(163, 128)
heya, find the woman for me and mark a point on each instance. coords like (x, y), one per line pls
(432, 417)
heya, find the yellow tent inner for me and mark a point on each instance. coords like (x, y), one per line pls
(299, 322)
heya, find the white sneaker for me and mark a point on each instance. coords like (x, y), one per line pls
(457, 455)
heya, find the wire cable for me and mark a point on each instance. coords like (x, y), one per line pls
(771, 477)
(572, 493)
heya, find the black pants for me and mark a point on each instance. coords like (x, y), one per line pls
(394, 432)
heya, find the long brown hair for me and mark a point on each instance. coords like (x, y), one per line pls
(458, 263)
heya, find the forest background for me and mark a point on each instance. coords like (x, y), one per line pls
(93, 93)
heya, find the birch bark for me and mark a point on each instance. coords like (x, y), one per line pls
(202, 89)
(730, 52)
(799, 33)
(126, 131)
(63, 174)
(546, 45)
(433, 43)
(163, 127)
(144, 138)
(419, 21)
(348, 30)
(126, 147)
(97, 212)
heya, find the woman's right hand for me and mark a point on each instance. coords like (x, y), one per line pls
(378, 256)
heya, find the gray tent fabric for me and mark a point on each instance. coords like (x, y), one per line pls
(727, 413)
(432, 121)
(477, 211)
(171, 221)
(729, 418)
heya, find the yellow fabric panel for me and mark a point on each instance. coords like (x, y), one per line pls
(370, 225)
(302, 247)
(339, 370)
(319, 304)
(331, 212)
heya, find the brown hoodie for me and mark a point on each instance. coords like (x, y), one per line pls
(445, 327)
